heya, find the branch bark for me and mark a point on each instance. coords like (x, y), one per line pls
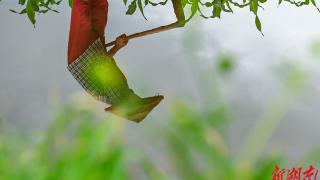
(178, 10)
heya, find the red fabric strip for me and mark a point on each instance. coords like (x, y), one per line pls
(88, 22)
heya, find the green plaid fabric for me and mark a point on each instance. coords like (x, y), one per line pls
(99, 75)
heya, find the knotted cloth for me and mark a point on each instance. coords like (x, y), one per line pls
(94, 69)
(88, 60)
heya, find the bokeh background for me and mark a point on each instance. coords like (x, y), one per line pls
(256, 95)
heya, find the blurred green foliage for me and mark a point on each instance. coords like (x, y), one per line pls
(225, 64)
(76, 146)
(315, 49)
(81, 145)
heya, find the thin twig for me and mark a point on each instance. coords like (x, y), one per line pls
(148, 32)
(178, 10)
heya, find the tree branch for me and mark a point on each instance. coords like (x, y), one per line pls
(178, 10)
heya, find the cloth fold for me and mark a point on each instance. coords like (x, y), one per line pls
(88, 22)
(99, 75)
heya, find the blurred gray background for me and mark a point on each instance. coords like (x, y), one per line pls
(33, 74)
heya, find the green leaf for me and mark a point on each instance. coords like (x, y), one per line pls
(217, 12)
(159, 3)
(13, 11)
(21, 12)
(132, 8)
(34, 4)
(163, 3)
(208, 4)
(258, 24)
(30, 11)
(141, 9)
(125, 2)
(184, 2)
(194, 9)
(315, 5)
(280, 1)
(254, 6)
(70, 3)
(229, 7)
(22, 2)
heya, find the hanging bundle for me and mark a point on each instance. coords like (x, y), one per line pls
(95, 68)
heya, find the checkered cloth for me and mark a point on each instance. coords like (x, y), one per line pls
(99, 75)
